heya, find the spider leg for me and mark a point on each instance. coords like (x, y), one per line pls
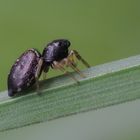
(37, 74)
(57, 65)
(79, 57)
(71, 64)
(69, 61)
(44, 75)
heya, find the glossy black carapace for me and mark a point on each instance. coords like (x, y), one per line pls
(29, 66)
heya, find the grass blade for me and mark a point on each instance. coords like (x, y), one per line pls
(104, 85)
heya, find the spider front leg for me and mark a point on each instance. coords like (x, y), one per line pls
(70, 61)
(59, 66)
(79, 57)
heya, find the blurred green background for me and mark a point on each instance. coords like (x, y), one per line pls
(101, 30)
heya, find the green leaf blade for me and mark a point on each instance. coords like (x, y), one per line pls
(104, 85)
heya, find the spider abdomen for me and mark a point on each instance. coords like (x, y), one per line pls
(22, 73)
